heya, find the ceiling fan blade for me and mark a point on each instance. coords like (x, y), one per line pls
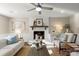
(34, 4)
(39, 5)
(31, 9)
(48, 8)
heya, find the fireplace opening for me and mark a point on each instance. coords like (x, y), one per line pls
(38, 34)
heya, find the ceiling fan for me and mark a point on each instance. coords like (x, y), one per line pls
(39, 7)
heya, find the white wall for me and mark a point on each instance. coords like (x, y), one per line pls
(4, 25)
(28, 33)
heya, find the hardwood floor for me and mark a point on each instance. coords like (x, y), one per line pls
(23, 51)
(28, 51)
(55, 52)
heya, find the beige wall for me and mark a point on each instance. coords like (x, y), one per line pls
(57, 21)
(74, 23)
(4, 25)
(22, 24)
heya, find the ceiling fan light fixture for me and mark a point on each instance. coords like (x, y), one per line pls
(38, 9)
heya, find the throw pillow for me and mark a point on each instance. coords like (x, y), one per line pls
(12, 40)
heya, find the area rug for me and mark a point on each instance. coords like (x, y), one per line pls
(40, 52)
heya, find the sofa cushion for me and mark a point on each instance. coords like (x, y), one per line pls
(11, 49)
(6, 51)
(3, 43)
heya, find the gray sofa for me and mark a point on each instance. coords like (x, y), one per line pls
(9, 49)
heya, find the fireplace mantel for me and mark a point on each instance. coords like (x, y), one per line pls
(39, 27)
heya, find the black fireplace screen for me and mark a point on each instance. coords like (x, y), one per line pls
(39, 34)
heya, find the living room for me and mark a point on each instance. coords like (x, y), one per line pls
(39, 29)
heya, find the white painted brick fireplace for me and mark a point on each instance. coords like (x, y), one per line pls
(40, 29)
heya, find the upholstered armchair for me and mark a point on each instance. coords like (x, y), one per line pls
(64, 39)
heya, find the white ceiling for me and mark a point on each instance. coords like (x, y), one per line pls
(70, 6)
(19, 10)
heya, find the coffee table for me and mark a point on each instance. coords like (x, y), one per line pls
(72, 46)
(40, 52)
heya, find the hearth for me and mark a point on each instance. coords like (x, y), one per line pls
(38, 35)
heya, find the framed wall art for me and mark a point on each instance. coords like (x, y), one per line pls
(39, 22)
